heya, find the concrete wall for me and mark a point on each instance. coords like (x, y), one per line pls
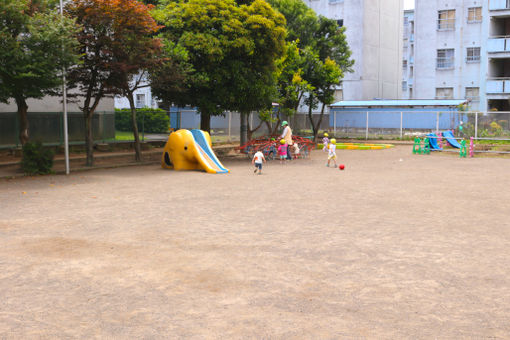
(54, 104)
(374, 31)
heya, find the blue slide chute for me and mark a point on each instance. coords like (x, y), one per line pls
(201, 140)
(448, 135)
(434, 146)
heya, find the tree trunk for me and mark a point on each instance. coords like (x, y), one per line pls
(244, 128)
(310, 118)
(316, 135)
(138, 153)
(205, 121)
(251, 130)
(89, 138)
(23, 120)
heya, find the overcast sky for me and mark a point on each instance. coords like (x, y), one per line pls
(408, 4)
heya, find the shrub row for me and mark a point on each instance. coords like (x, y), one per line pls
(149, 120)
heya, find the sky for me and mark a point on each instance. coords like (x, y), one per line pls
(408, 4)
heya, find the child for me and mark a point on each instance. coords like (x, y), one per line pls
(325, 142)
(282, 151)
(296, 150)
(257, 160)
(332, 152)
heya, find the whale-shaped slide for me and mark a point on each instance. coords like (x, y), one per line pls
(448, 135)
(191, 150)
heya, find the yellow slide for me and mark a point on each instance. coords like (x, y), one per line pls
(191, 150)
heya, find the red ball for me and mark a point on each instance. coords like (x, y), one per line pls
(341, 167)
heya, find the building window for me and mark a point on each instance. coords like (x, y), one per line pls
(340, 22)
(404, 64)
(335, 1)
(446, 20)
(140, 100)
(444, 93)
(474, 14)
(406, 21)
(411, 72)
(473, 55)
(473, 93)
(404, 85)
(445, 59)
(338, 95)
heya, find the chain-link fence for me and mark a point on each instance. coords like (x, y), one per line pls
(48, 127)
(155, 125)
(407, 124)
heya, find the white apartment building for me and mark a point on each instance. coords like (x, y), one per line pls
(373, 31)
(460, 51)
(408, 56)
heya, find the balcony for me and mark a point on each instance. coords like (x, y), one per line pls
(499, 8)
(498, 85)
(498, 44)
(497, 5)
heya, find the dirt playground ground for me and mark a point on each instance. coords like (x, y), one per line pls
(395, 247)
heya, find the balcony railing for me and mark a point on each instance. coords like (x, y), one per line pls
(498, 85)
(498, 44)
(495, 5)
(444, 63)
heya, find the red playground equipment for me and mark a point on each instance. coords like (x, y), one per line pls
(269, 146)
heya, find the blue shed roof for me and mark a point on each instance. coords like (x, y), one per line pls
(399, 103)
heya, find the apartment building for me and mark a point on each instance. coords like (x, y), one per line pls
(497, 89)
(462, 50)
(408, 55)
(373, 31)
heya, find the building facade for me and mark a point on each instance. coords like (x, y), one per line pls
(408, 56)
(460, 51)
(373, 31)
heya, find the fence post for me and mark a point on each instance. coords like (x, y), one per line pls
(143, 125)
(476, 124)
(334, 122)
(229, 125)
(437, 122)
(366, 132)
(61, 130)
(401, 119)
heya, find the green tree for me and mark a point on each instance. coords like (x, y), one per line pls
(324, 57)
(323, 77)
(109, 28)
(302, 22)
(231, 49)
(135, 50)
(36, 45)
(253, 74)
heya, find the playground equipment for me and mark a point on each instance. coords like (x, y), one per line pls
(191, 150)
(435, 143)
(359, 146)
(421, 147)
(268, 146)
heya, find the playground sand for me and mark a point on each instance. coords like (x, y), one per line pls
(385, 249)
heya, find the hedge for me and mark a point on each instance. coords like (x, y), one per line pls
(150, 120)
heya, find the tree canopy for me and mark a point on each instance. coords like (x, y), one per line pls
(231, 48)
(113, 40)
(36, 44)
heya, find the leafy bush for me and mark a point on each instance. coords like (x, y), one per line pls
(149, 120)
(36, 159)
